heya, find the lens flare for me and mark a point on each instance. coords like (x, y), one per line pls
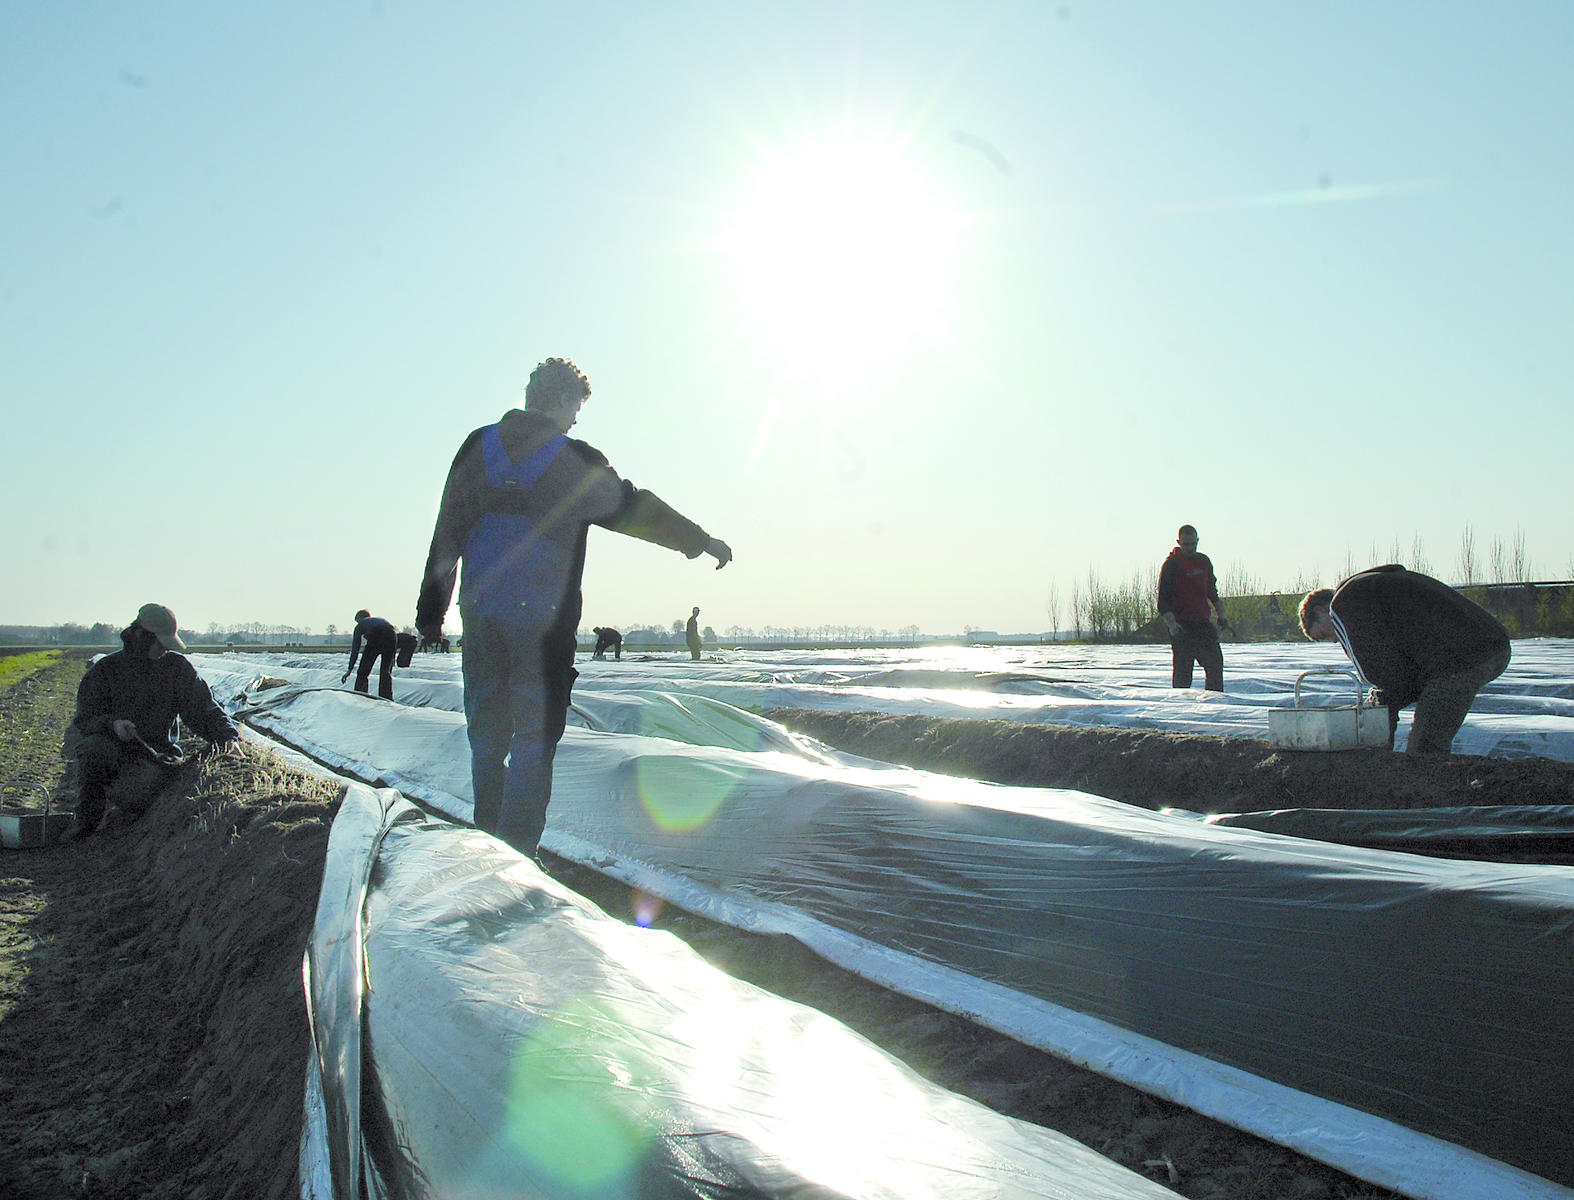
(646, 908)
(683, 793)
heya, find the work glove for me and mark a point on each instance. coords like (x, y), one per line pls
(1172, 623)
(720, 551)
(1226, 627)
(345, 678)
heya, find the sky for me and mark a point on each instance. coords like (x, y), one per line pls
(924, 308)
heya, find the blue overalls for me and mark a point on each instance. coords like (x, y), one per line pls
(512, 587)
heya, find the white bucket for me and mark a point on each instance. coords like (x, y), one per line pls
(1343, 727)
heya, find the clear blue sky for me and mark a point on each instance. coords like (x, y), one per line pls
(919, 306)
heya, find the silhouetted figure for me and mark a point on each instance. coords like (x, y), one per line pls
(517, 507)
(1187, 587)
(382, 642)
(126, 707)
(1417, 641)
(608, 638)
(692, 634)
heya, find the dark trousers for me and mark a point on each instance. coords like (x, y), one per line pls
(105, 762)
(516, 705)
(1443, 703)
(363, 673)
(1197, 643)
(694, 649)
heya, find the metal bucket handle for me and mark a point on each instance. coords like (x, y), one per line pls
(1345, 671)
(23, 784)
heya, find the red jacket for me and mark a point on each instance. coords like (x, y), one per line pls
(1186, 585)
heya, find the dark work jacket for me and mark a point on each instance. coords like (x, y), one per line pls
(1186, 584)
(379, 634)
(608, 638)
(579, 489)
(1402, 628)
(150, 694)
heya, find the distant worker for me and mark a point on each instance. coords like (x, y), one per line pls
(692, 634)
(1187, 589)
(126, 707)
(608, 638)
(1417, 641)
(382, 642)
(517, 507)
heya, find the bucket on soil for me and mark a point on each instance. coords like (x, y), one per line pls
(1342, 727)
(28, 828)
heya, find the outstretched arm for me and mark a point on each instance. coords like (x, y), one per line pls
(458, 512)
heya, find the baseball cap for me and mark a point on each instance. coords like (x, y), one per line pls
(160, 622)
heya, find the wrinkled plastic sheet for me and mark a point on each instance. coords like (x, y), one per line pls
(1542, 833)
(509, 1039)
(1527, 712)
(1405, 1019)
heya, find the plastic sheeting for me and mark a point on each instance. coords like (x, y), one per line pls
(1396, 1016)
(1542, 833)
(1529, 711)
(512, 1040)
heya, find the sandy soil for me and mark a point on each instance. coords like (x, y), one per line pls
(1203, 773)
(150, 999)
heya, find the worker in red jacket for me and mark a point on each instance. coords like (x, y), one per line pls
(1187, 591)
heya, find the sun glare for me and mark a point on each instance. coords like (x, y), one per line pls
(841, 252)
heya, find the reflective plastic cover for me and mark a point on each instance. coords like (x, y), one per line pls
(1405, 1018)
(518, 1042)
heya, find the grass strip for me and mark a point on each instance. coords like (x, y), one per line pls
(17, 667)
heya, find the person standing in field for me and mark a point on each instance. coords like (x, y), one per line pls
(517, 508)
(608, 638)
(382, 642)
(1417, 641)
(692, 634)
(1188, 590)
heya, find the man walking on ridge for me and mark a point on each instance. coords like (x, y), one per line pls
(1187, 587)
(382, 641)
(1417, 641)
(517, 508)
(692, 634)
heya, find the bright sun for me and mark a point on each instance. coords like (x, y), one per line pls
(842, 252)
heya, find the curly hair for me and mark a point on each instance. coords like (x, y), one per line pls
(554, 381)
(1321, 598)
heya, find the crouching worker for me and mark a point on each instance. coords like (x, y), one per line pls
(126, 709)
(1417, 641)
(608, 638)
(382, 643)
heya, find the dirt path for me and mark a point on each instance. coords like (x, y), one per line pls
(1207, 774)
(150, 998)
(150, 1003)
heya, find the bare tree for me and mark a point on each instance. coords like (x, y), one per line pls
(1053, 605)
(1418, 559)
(1499, 557)
(1349, 563)
(1468, 569)
(1519, 563)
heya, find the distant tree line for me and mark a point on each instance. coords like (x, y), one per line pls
(1103, 611)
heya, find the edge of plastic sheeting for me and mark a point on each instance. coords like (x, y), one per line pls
(335, 977)
(316, 1174)
(315, 757)
(1540, 832)
(1372, 1148)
